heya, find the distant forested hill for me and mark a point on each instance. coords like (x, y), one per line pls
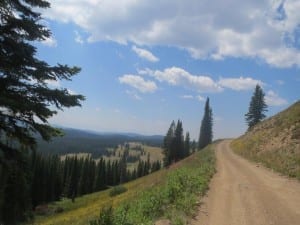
(75, 141)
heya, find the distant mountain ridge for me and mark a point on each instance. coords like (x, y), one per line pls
(96, 143)
(275, 142)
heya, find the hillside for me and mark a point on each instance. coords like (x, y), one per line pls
(169, 193)
(274, 142)
(79, 141)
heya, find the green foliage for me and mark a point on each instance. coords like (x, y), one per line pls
(187, 145)
(26, 101)
(257, 108)
(206, 131)
(174, 145)
(175, 199)
(105, 218)
(117, 190)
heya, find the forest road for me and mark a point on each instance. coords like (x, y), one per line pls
(244, 193)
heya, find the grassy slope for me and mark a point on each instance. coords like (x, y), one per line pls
(88, 207)
(275, 142)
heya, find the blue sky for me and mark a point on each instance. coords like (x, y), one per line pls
(145, 64)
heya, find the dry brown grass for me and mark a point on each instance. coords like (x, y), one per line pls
(275, 142)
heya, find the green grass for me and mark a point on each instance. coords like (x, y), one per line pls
(170, 193)
(174, 199)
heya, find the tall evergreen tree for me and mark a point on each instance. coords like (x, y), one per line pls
(206, 132)
(74, 178)
(257, 107)
(178, 147)
(99, 183)
(187, 144)
(26, 100)
(173, 146)
(168, 145)
(123, 168)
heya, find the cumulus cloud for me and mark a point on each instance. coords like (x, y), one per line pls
(273, 99)
(133, 95)
(176, 76)
(145, 54)
(78, 37)
(239, 84)
(200, 98)
(138, 83)
(50, 42)
(187, 96)
(261, 29)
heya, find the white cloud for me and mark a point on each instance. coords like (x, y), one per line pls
(50, 42)
(262, 29)
(138, 83)
(133, 95)
(239, 84)
(200, 98)
(145, 54)
(273, 99)
(179, 77)
(187, 96)
(78, 37)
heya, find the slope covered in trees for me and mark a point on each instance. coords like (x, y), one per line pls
(78, 141)
(170, 193)
(275, 142)
(53, 178)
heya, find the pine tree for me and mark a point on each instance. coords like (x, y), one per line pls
(74, 179)
(123, 168)
(206, 133)
(84, 176)
(26, 100)
(99, 182)
(178, 143)
(168, 145)
(257, 108)
(187, 144)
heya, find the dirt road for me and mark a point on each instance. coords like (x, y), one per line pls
(243, 193)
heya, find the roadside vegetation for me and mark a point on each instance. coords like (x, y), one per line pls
(171, 193)
(274, 142)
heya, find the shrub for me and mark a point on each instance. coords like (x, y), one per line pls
(117, 190)
(105, 218)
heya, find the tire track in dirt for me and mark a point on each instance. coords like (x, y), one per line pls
(243, 193)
